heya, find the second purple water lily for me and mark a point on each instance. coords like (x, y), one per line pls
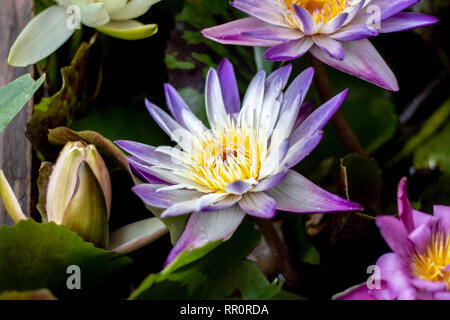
(334, 31)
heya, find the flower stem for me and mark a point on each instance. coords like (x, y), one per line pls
(279, 250)
(339, 122)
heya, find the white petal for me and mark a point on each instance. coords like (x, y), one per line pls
(45, 33)
(273, 161)
(136, 235)
(94, 15)
(114, 6)
(252, 104)
(215, 107)
(205, 227)
(133, 9)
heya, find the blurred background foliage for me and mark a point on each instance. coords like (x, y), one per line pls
(95, 82)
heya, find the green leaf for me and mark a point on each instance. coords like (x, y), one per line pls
(36, 255)
(429, 128)
(41, 294)
(81, 82)
(15, 95)
(362, 181)
(216, 274)
(435, 153)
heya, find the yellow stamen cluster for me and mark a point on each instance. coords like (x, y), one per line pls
(226, 154)
(321, 10)
(429, 264)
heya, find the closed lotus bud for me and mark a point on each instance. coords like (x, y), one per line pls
(79, 193)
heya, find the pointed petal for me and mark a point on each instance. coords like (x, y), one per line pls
(253, 100)
(271, 181)
(334, 24)
(388, 8)
(301, 149)
(172, 128)
(292, 101)
(420, 236)
(353, 12)
(283, 73)
(298, 194)
(133, 9)
(258, 204)
(205, 227)
(404, 207)
(229, 86)
(215, 108)
(128, 29)
(262, 10)
(332, 47)
(225, 203)
(232, 33)
(361, 60)
(319, 118)
(395, 235)
(151, 195)
(45, 33)
(443, 214)
(289, 50)
(273, 161)
(238, 187)
(275, 33)
(136, 235)
(354, 32)
(273, 97)
(308, 24)
(141, 151)
(181, 111)
(9, 199)
(143, 173)
(209, 202)
(406, 21)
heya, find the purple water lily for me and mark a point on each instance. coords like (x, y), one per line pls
(419, 266)
(334, 31)
(241, 164)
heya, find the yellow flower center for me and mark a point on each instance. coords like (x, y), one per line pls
(320, 10)
(227, 154)
(429, 265)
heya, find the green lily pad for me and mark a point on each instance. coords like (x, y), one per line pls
(37, 255)
(217, 274)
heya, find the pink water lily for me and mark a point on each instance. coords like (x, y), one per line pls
(334, 31)
(240, 165)
(419, 266)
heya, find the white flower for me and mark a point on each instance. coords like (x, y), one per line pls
(51, 28)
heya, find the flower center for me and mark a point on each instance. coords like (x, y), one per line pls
(224, 155)
(429, 265)
(320, 10)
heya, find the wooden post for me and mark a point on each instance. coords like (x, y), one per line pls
(15, 149)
